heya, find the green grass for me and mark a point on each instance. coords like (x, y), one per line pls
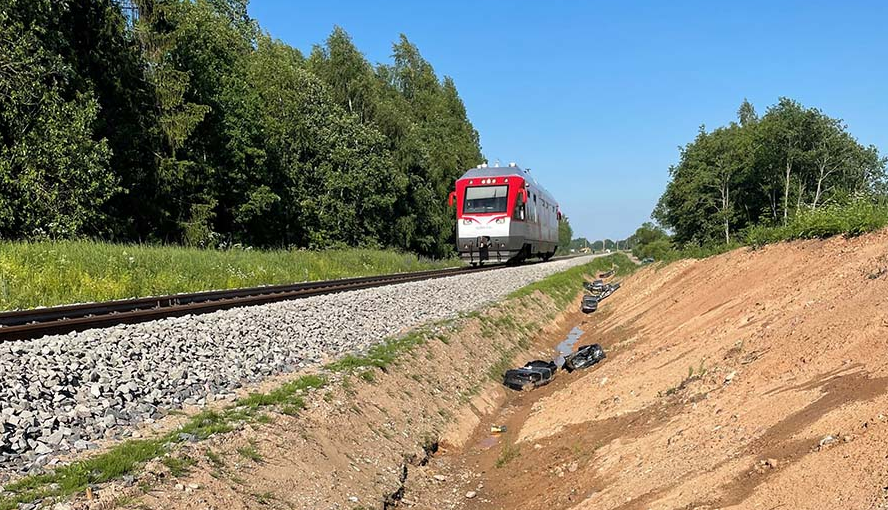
(250, 452)
(51, 273)
(509, 453)
(127, 456)
(564, 286)
(381, 355)
(178, 466)
(699, 252)
(264, 498)
(288, 395)
(215, 459)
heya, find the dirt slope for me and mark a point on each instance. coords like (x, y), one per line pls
(755, 379)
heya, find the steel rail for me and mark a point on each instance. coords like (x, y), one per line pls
(37, 322)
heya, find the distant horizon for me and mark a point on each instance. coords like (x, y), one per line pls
(597, 98)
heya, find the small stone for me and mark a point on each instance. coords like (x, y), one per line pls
(42, 449)
(730, 377)
(826, 441)
(772, 463)
(180, 487)
(353, 499)
(537, 446)
(190, 438)
(440, 478)
(55, 438)
(471, 494)
(193, 486)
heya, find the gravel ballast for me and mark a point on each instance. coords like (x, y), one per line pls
(61, 393)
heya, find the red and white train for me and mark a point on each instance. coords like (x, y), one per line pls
(503, 215)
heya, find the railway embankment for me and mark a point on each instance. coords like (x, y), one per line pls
(753, 379)
(371, 406)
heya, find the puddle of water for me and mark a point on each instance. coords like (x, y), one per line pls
(488, 442)
(566, 345)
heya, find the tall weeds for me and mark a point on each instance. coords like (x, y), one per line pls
(51, 273)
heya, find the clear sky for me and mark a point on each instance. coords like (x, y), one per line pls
(595, 97)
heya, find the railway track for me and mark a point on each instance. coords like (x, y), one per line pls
(37, 322)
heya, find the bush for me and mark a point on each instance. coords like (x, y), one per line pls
(863, 217)
(658, 250)
(760, 235)
(699, 252)
(852, 219)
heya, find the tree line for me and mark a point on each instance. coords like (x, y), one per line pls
(182, 121)
(763, 171)
(599, 244)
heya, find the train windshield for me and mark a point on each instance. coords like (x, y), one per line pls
(486, 199)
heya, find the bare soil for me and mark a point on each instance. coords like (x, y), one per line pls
(754, 379)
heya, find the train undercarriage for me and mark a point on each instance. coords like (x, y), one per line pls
(483, 249)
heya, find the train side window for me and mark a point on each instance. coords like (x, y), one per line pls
(519, 212)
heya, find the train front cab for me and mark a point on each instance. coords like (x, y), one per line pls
(491, 218)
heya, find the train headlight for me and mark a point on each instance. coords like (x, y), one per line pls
(500, 220)
(467, 222)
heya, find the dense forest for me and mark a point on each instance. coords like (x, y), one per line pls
(764, 172)
(182, 121)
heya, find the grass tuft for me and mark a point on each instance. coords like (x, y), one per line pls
(178, 466)
(250, 452)
(215, 459)
(509, 453)
(380, 355)
(288, 395)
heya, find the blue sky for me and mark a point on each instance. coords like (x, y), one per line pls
(596, 97)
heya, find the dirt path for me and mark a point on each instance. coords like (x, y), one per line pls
(755, 379)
